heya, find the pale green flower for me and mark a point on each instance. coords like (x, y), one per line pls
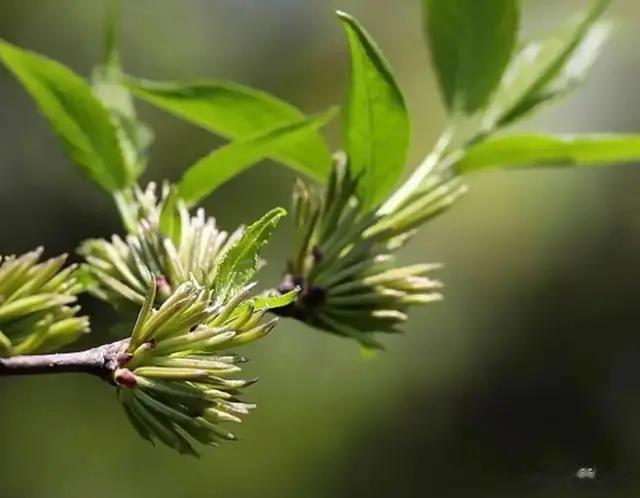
(37, 312)
(343, 259)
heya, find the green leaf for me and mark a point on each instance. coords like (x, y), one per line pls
(550, 68)
(111, 51)
(274, 300)
(376, 121)
(471, 42)
(134, 137)
(107, 81)
(170, 219)
(237, 112)
(107, 76)
(240, 262)
(77, 116)
(229, 160)
(528, 150)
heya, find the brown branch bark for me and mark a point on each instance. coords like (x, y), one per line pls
(100, 361)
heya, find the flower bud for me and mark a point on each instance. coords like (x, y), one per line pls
(36, 315)
(177, 380)
(120, 269)
(343, 259)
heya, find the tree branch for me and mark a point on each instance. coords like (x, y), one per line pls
(100, 361)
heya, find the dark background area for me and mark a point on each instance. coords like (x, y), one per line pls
(528, 371)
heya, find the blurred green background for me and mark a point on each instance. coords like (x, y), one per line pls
(529, 370)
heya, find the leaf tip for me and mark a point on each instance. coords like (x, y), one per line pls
(277, 213)
(328, 115)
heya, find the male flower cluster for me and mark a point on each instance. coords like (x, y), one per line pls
(343, 258)
(176, 378)
(37, 311)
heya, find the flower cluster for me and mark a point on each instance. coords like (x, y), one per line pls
(343, 258)
(176, 380)
(122, 267)
(36, 312)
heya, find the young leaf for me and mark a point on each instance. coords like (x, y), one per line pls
(549, 68)
(471, 42)
(528, 150)
(170, 219)
(77, 116)
(237, 112)
(107, 82)
(134, 137)
(377, 122)
(229, 160)
(275, 300)
(241, 261)
(107, 75)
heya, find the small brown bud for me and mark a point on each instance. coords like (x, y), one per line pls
(124, 377)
